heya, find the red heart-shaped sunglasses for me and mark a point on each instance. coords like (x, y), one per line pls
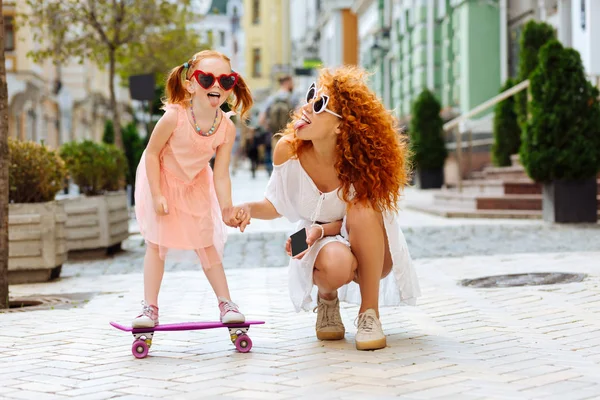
(207, 80)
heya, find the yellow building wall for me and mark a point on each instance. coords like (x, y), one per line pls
(271, 35)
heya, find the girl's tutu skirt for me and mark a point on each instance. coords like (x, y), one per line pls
(194, 221)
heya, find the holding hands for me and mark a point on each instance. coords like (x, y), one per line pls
(237, 216)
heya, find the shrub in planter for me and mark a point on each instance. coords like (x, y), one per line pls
(507, 133)
(561, 141)
(37, 246)
(98, 220)
(96, 168)
(535, 35)
(35, 173)
(427, 141)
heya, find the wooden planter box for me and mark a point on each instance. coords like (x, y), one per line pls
(36, 242)
(97, 222)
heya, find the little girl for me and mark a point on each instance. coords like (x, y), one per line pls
(179, 203)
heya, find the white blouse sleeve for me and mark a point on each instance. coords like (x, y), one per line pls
(282, 189)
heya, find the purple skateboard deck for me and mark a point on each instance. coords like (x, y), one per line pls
(185, 326)
(238, 334)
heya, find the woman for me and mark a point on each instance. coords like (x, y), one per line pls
(339, 170)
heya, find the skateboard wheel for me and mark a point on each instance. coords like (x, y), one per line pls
(139, 349)
(243, 343)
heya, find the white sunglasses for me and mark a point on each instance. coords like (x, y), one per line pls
(319, 105)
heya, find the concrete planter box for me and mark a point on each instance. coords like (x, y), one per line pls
(37, 245)
(97, 222)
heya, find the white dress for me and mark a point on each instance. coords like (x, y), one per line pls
(296, 197)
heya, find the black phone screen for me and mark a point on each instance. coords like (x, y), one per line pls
(299, 242)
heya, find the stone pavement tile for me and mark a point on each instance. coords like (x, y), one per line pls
(90, 390)
(546, 379)
(103, 395)
(30, 395)
(442, 392)
(256, 394)
(147, 391)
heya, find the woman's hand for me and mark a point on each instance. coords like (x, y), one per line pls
(160, 205)
(312, 235)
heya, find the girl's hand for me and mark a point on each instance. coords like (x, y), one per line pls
(229, 217)
(243, 215)
(160, 205)
(236, 217)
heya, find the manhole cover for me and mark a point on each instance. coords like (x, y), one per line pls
(534, 279)
(46, 302)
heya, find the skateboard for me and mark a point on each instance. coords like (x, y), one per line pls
(142, 341)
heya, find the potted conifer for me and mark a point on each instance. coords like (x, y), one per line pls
(427, 141)
(561, 139)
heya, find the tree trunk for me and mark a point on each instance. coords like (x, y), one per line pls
(113, 103)
(3, 174)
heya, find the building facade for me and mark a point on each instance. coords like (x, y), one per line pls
(49, 103)
(220, 26)
(266, 25)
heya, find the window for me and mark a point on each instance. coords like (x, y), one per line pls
(9, 33)
(256, 64)
(222, 38)
(255, 12)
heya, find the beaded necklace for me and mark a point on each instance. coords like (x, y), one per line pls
(198, 130)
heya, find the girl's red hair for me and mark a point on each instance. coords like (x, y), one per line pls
(372, 154)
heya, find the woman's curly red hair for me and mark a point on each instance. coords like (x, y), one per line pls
(372, 154)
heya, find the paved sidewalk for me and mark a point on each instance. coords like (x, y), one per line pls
(458, 343)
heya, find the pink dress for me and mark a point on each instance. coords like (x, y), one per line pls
(194, 220)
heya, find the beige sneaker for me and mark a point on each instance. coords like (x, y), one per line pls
(369, 334)
(329, 324)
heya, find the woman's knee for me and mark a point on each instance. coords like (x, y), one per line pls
(359, 214)
(335, 266)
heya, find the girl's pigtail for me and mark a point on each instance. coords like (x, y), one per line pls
(243, 98)
(175, 92)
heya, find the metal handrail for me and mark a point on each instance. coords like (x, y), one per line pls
(453, 124)
(489, 103)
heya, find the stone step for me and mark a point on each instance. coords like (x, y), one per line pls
(461, 212)
(505, 173)
(526, 187)
(478, 201)
(480, 186)
(455, 212)
(510, 202)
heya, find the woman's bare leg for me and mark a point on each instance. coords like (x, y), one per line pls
(335, 266)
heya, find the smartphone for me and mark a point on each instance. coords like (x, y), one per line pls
(299, 242)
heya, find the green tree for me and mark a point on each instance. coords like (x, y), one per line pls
(162, 50)
(427, 133)
(534, 36)
(100, 30)
(134, 147)
(561, 140)
(4, 163)
(507, 133)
